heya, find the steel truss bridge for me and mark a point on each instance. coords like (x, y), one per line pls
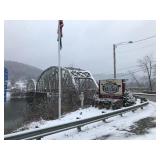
(74, 81)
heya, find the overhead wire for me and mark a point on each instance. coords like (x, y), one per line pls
(144, 39)
(140, 40)
(136, 70)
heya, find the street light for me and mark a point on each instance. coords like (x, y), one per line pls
(114, 54)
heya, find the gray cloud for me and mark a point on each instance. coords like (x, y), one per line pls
(86, 44)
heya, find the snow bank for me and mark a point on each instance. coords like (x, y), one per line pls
(70, 117)
(114, 128)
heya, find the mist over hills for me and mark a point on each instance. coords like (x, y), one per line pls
(101, 76)
(19, 71)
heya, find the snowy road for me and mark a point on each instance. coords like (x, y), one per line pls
(151, 97)
(115, 128)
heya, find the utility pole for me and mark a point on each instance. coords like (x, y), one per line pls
(114, 60)
(60, 25)
(114, 54)
(59, 84)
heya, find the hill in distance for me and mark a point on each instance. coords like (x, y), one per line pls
(19, 71)
(102, 76)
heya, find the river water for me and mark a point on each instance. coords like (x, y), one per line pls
(18, 112)
(15, 114)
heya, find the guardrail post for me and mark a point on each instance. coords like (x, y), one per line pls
(142, 100)
(79, 128)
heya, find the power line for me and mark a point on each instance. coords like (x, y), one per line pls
(124, 43)
(138, 69)
(132, 72)
(124, 68)
(134, 66)
(136, 49)
(127, 74)
(144, 39)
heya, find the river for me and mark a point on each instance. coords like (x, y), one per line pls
(15, 114)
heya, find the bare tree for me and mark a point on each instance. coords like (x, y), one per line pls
(134, 78)
(147, 66)
(154, 77)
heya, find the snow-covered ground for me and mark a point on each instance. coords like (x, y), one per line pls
(114, 128)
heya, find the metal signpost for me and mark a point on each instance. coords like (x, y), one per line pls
(82, 99)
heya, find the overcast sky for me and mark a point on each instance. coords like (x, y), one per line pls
(86, 44)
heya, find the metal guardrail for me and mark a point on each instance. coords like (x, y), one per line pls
(144, 94)
(41, 132)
